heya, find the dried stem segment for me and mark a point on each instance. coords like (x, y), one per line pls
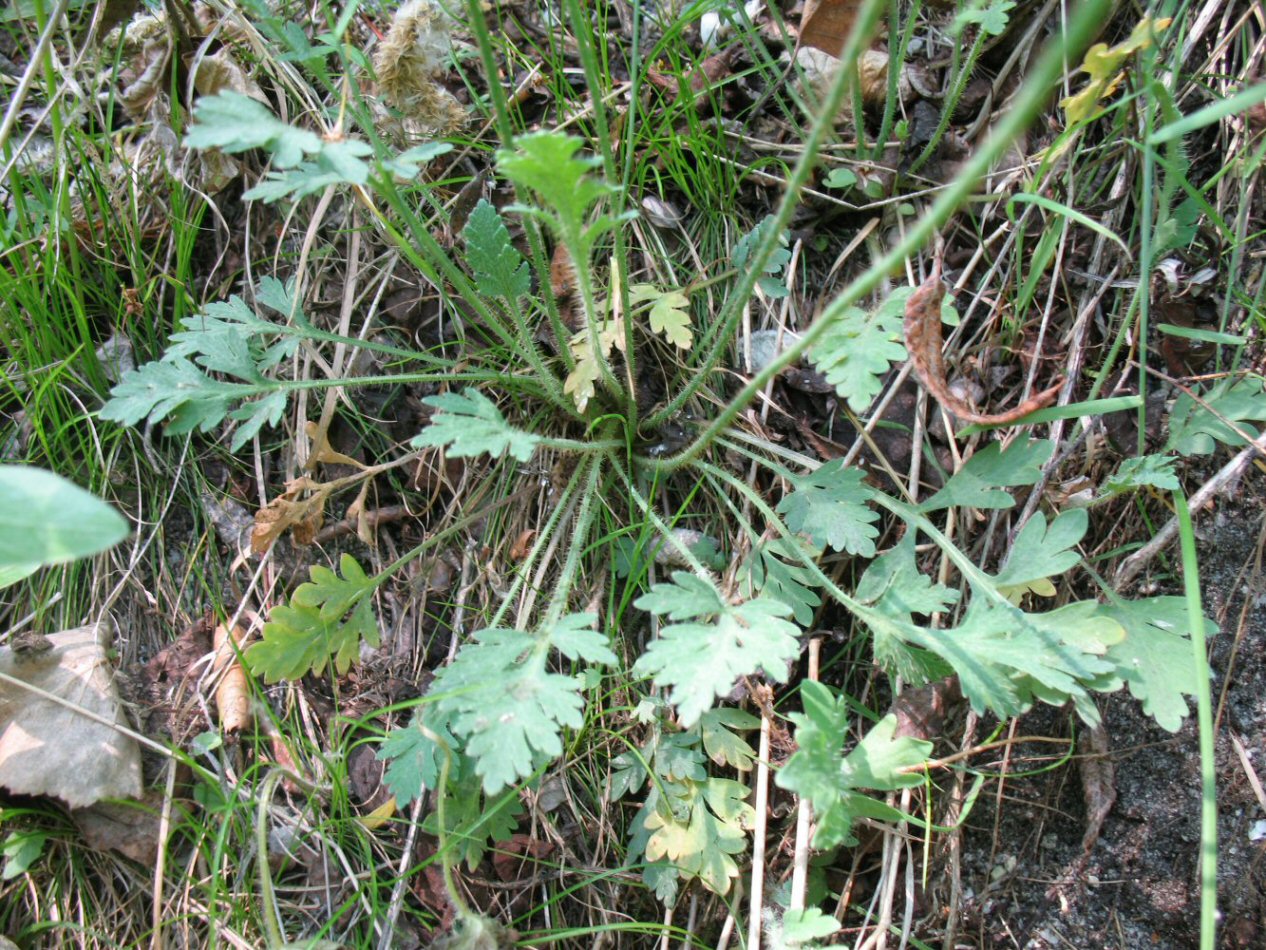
(923, 341)
(233, 695)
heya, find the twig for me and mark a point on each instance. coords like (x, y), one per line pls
(804, 812)
(371, 519)
(757, 899)
(397, 892)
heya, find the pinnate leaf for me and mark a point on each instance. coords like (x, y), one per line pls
(325, 622)
(979, 483)
(830, 507)
(499, 268)
(1040, 553)
(703, 660)
(857, 350)
(668, 315)
(157, 390)
(469, 423)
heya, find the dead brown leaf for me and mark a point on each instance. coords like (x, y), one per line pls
(304, 516)
(512, 858)
(700, 79)
(522, 544)
(58, 707)
(233, 695)
(132, 829)
(827, 23)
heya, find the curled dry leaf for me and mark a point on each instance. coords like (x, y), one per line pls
(303, 515)
(233, 695)
(923, 341)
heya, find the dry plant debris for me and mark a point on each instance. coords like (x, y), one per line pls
(60, 720)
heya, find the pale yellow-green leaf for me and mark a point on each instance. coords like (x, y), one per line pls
(580, 383)
(668, 314)
(1102, 63)
(1015, 592)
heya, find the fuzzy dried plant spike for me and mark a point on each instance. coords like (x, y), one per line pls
(409, 62)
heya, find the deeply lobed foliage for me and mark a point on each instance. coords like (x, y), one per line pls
(499, 715)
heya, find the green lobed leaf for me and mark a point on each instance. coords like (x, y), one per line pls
(46, 519)
(414, 758)
(820, 772)
(1006, 659)
(686, 596)
(857, 350)
(502, 707)
(1040, 553)
(546, 162)
(830, 507)
(991, 16)
(474, 821)
(574, 637)
(979, 483)
(702, 661)
(775, 570)
(1195, 430)
(893, 584)
(668, 314)
(408, 163)
(678, 757)
(700, 831)
(233, 122)
(772, 281)
(325, 621)
(254, 415)
(801, 928)
(724, 746)
(469, 423)
(515, 723)
(1154, 658)
(1156, 471)
(500, 270)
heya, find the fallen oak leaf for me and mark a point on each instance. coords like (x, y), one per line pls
(922, 327)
